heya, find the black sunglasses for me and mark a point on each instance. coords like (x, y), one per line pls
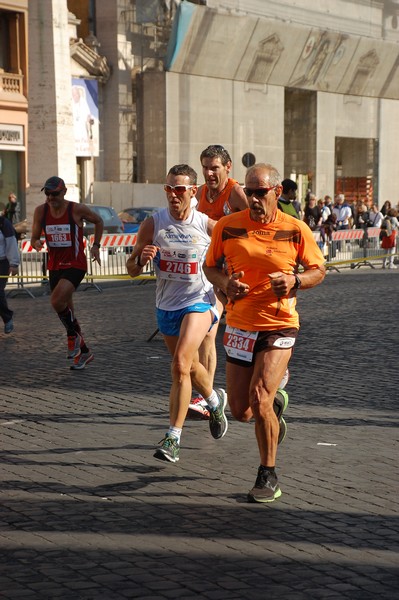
(259, 192)
(50, 193)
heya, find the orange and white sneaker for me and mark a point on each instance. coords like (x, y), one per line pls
(74, 344)
(82, 360)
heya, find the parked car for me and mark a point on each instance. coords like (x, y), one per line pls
(112, 223)
(133, 217)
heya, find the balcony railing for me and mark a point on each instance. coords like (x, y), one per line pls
(11, 83)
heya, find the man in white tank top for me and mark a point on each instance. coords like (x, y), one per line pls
(176, 239)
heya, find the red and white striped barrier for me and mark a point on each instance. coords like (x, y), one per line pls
(26, 247)
(110, 240)
(348, 234)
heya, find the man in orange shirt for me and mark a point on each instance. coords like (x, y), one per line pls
(253, 258)
(218, 196)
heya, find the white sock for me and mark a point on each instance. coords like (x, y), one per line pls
(175, 432)
(213, 400)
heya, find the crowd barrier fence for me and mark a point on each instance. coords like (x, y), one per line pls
(352, 248)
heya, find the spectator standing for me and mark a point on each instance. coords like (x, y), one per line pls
(388, 237)
(362, 215)
(287, 201)
(9, 263)
(62, 223)
(329, 203)
(11, 210)
(385, 208)
(324, 209)
(312, 213)
(262, 248)
(177, 238)
(342, 211)
(375, 217)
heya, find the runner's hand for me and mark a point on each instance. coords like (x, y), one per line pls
(95, 254)
(38, 245)
(235, 289)
(281, 283)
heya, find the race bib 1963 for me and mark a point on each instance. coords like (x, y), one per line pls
(239, 343)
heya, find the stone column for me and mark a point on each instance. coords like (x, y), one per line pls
(50, 134)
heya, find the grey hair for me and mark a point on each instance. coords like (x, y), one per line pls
(274, 176)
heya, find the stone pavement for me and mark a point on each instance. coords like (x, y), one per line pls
(88, 513)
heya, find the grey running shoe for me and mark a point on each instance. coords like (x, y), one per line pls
(266, 488)
(283, 430)
(80, 361)
(9, 326)
(74, 343)
(285, 379)
(169, 449)
(280, 404)
(217, 419)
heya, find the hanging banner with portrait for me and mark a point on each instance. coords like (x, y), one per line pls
(85, 116)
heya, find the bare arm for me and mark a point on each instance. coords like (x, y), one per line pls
(35, 241)
(144, 248)
(83, 212)
(210, 226)
(230, 285)
(282, 283)
(238, 200)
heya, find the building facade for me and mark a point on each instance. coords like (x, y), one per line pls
(121, 90)
(13, 102)
(312, 88)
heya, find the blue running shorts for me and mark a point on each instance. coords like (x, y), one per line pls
(169, 321)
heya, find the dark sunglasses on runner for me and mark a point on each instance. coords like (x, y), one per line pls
(177, 189)
(51, 193)
(259, 192)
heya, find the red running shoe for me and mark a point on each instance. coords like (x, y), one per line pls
(198, 409)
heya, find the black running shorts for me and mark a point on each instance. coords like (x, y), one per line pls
(75, 276)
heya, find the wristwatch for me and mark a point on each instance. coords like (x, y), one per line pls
(298, 282)
(96, 244)
(137, 261)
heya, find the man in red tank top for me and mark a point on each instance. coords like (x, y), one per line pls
(220, 195)
(62, 224)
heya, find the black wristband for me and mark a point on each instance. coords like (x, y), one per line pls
(137, 261)
(298, 282)
(97, 244)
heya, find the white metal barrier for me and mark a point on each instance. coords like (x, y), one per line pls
(345, 248)
(351, 247)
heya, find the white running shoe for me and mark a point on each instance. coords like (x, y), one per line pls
(284, 380)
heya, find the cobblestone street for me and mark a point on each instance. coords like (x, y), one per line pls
(87, 513)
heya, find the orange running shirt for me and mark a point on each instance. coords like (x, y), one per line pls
(215, 210)
(259, 249)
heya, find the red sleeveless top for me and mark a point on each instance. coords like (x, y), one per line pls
(64, 240)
